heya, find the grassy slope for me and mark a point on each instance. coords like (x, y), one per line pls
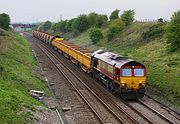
(16, 79)
(163, 68)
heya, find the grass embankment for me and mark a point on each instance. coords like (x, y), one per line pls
(16, 79)
(145, 42)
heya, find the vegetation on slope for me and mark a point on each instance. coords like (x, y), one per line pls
(145, 42)
(156, 44)
(16, 79)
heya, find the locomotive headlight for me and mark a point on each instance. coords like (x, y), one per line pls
(141, 82)
(123, 84)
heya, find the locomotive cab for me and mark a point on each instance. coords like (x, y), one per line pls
(133, 78)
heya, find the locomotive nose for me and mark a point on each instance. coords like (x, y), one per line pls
(132, 82)
(134, 86)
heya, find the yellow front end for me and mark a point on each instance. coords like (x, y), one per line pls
(133, 83)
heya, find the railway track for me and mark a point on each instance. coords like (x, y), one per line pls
(173, 112)
(111, 106)
(157, 116)
(155, 111)
(118, 117)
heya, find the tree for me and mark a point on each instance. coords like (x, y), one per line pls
(160, 20)
(4, 21)
(95, 35)
(97, 20)
(155, 31)
(92, 19)
(128, 17)
(173, 31)
(47, 26)
(101, 20)
(81, 23)
(54, 27)
(115, 28)
(62, 26)
(114, 14)
(69, 25)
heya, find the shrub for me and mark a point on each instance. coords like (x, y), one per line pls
(62, 26)
(92, 19)
(173, 32)
(47, 26)
(95, 35)
(69, 25)
(4, 21)
(160, 20)
(115, 28)
(128, 17)
(114, 14)
(154, 32)
(81, 23)
(101, 20)
(97, 20)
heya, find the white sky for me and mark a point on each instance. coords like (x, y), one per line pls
(42, 10)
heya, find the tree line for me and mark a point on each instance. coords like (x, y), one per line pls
(93, 22)
(115, 25)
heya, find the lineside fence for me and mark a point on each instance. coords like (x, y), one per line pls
(152, 20)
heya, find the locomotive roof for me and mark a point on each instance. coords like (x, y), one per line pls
(111, 58)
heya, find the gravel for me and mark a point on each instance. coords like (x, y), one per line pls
(62, 92)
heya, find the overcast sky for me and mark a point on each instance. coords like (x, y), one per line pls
(42, 10)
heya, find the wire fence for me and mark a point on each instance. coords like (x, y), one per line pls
(152, 20)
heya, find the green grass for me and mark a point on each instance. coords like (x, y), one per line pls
(16, 79)
(163, 68)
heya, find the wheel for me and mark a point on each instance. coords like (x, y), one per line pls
(112, 88)
(118, 89)
(107, 85)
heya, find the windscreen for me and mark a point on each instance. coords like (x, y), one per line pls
(127, 72)
(138, 72)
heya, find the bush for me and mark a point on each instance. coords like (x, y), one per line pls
(92, 19)
(173, 32)
(95, 35)
(62, 26)
(81, 23)
(160, 20)
(4, 21)
(154, 32)
(114, 14)
(115, 28)
(128, 17)
(69, 25)
(101, 20)
(97, 20)
(47, 26)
